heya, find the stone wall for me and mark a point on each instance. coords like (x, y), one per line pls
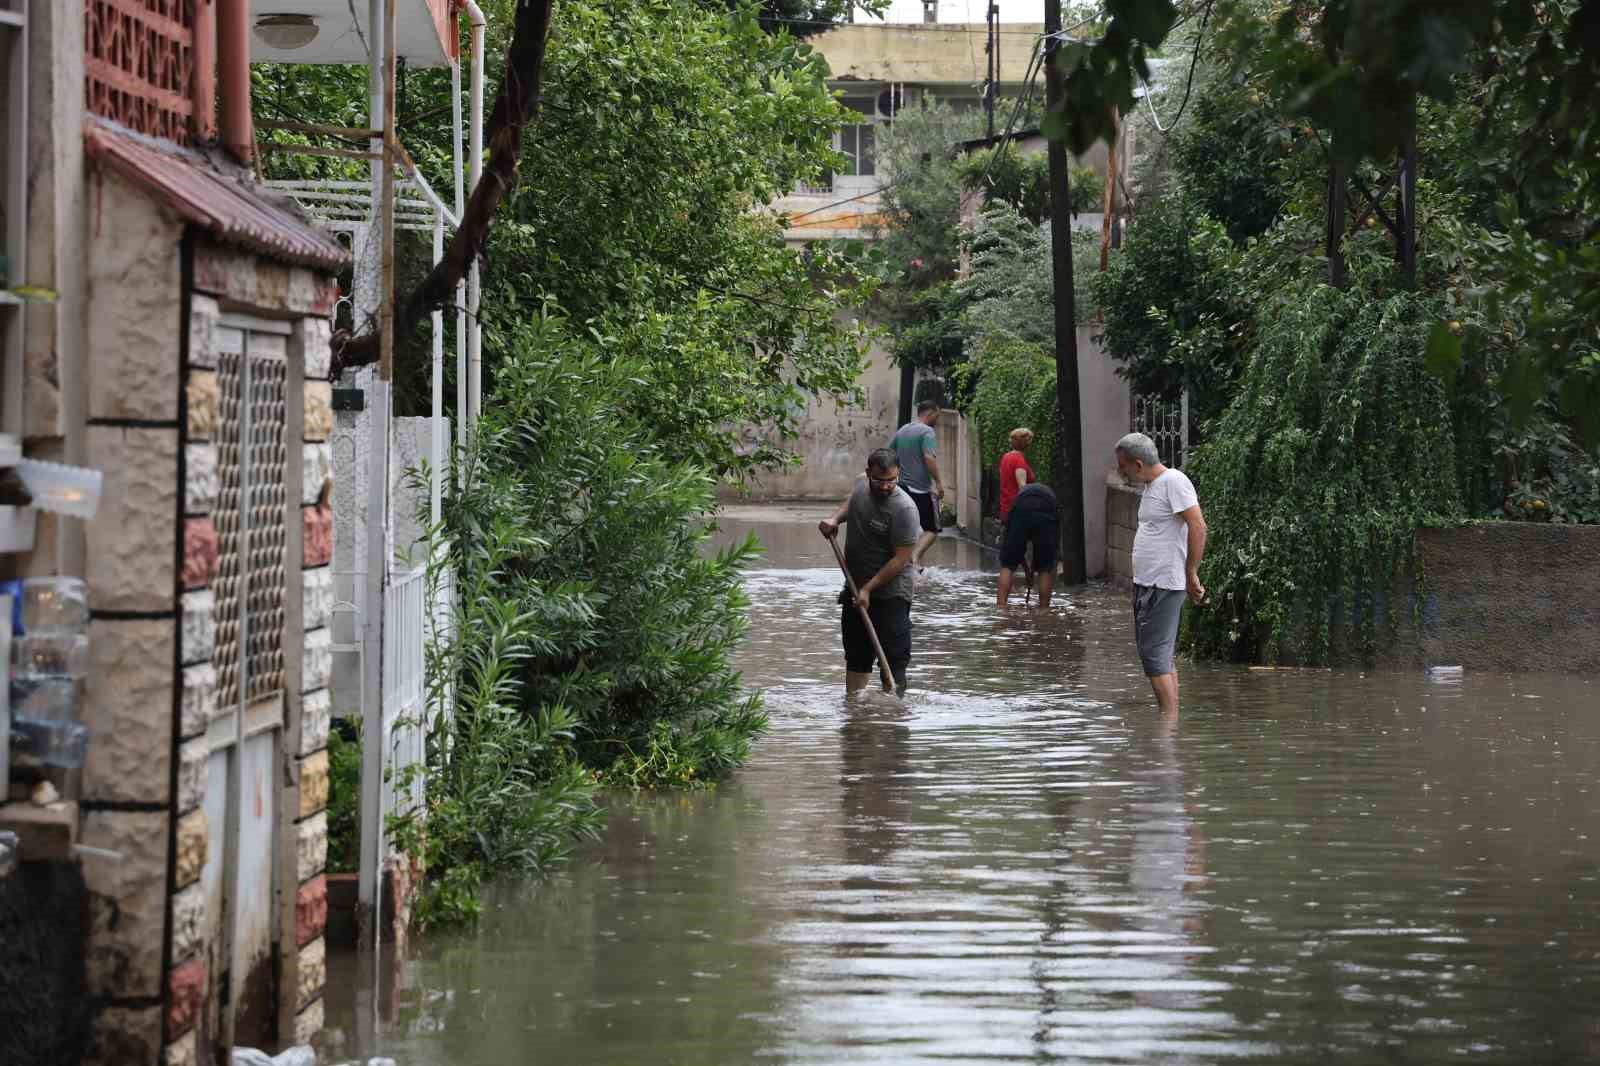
(150, 696)
(1508, 597)
(138, 546)
(1122, 520)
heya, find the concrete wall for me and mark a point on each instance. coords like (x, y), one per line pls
(1509, 597)
(834, 439)
(1103, 406)
(938, 53)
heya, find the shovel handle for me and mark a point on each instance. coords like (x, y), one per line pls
(866, 619)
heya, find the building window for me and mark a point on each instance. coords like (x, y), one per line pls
(859, 143)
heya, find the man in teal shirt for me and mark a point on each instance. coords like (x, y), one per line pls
(917, 446)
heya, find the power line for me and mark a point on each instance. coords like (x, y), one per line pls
(1194, 61)
(1035, 64)
(919, 27)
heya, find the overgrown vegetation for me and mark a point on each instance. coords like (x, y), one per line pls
(1011, 382)
(1335, 449)
(938, 322)
(344, 796)
(1314, 400)
(640, 307)
(589, 646)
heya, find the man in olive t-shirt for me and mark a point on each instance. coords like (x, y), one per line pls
(883, 531)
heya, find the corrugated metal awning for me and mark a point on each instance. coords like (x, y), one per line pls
(229, 205)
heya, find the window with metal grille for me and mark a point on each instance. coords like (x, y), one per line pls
(138, 64)
(252, 510)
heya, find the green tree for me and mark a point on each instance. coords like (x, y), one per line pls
(1174, 276)
(641, 213)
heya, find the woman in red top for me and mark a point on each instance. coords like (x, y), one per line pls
(1014, 469)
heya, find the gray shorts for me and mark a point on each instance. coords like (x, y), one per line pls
(1155, 626)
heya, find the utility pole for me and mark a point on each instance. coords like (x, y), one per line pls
(1069, 419)
(993, 70)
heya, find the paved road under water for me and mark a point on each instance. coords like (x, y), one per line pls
(1025, 865)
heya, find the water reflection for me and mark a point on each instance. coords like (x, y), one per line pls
(1024, 864)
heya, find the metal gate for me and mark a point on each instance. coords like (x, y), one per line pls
(246, 733)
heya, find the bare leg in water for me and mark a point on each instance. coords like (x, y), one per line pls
(1165, 686)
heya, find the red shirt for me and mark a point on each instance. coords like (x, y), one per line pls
(1010, 463)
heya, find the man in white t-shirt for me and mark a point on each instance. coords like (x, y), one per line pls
(1166, 560)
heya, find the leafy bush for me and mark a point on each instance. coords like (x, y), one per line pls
(1337, 447)
(1011, 383)
(1011, 287)
(1168, 299)
(344, 795)
(1023, 181)
(591, 636)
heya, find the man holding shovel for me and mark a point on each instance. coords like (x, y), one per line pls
(884, 527)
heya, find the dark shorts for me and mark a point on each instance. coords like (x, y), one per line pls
(927, 510)
(1038, 528)
(1156, 613)
(891, 617)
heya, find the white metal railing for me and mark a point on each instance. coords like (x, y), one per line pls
(1164, 421)
(404, 723)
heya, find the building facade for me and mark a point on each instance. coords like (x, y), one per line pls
(167, 329)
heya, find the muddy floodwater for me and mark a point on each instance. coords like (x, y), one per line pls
(1026, 865)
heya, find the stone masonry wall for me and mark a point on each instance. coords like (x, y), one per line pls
(188, 977)
(310, 341)
(258, 286)
(1122, 520)
(130, 693)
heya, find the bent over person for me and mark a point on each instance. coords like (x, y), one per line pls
(883, 531)
(1167, 548)
(1032, 520)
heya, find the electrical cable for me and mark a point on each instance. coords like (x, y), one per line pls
(1194, 62)
(1035, 65)
(919, 27)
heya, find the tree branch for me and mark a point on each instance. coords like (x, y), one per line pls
(516, 107)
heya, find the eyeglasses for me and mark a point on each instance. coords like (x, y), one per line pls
(884, 480)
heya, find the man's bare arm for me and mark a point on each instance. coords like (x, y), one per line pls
(1197, 550)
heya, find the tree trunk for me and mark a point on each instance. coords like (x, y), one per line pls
(516, 107)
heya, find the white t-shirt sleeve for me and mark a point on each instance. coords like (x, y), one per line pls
(1180, 492)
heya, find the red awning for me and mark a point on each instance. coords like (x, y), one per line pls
(227, 204)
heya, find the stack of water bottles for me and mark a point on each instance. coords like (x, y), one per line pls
(49, 657)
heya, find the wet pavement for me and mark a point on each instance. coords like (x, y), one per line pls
(1026, 865)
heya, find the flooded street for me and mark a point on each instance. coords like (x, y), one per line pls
(1025, 865)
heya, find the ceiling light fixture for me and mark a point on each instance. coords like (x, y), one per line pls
(286, 32)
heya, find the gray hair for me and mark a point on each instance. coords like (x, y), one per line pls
(1139, 447)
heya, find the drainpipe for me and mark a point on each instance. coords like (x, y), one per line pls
(233, 55)
(475, 162)
(204, 94)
